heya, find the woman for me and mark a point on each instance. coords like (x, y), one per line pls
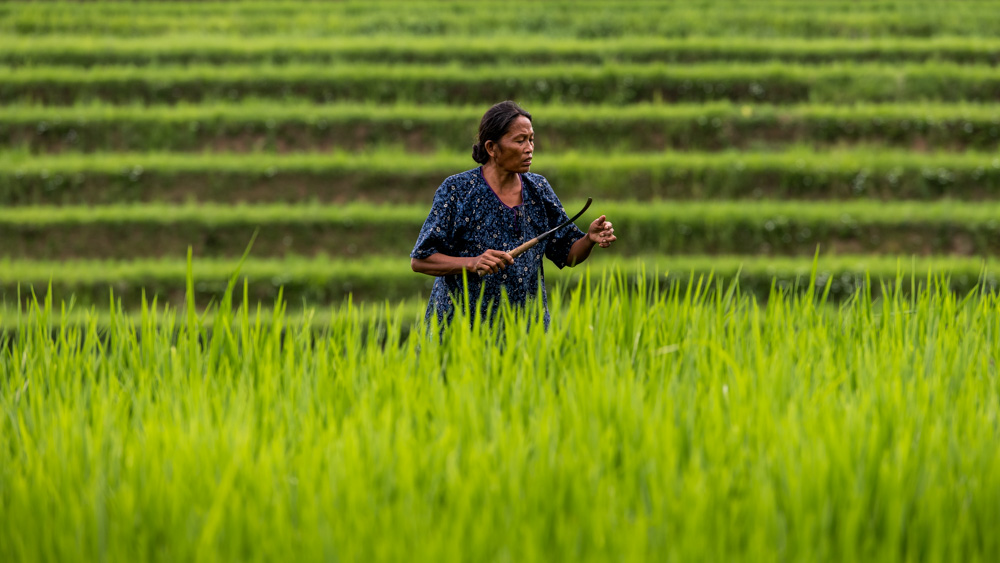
(480, 214)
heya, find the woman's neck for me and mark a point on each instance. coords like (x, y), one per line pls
(503, 182)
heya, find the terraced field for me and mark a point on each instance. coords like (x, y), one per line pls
(727, 137)
(315, 418)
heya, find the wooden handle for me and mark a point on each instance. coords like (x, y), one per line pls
(523, 248)
(516, 252)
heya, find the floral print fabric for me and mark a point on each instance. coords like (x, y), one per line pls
(467, 218)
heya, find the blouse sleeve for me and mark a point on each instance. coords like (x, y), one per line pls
(557, 247)
(437, 233)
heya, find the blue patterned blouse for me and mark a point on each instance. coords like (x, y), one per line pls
(467, 218)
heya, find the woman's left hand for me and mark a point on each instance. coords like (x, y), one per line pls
(601, 233)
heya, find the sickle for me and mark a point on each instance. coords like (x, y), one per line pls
(521, 249)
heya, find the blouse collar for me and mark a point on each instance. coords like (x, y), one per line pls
(520, 177)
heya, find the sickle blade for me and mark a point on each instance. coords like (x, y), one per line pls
(570, 220)
(577, 216)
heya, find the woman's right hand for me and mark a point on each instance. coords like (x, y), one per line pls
(491, 262)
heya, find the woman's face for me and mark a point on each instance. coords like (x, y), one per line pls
(513, 152)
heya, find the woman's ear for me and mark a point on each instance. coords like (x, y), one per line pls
(491, 148)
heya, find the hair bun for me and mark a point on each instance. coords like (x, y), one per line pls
(478, 154)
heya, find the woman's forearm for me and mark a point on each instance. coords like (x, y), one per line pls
(442, 265)
(437, 264)
(579, 251)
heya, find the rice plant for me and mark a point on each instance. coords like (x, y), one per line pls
(684, 422)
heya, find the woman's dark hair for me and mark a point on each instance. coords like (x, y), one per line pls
(496, 121)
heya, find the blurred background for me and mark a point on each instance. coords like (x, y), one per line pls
(730, 137)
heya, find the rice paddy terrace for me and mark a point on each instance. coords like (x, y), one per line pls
(730, 137)
(655, 419)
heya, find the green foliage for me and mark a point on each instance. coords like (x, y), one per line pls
(788, 363)
(322, 280)
(581, 19)
(361, 230)
(608, 83)
(285, 127)
(84, 50)
(679, 425)
(399, 177)
(315, 318)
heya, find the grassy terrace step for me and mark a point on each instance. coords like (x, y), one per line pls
(585, 20)
(98, 315)
(397, 177)
(91, 50)
(270, 9)
(610, 83)
(359, 230)
(286, 127)
(324, 281)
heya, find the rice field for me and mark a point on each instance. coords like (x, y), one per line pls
(790, 354)
(191, 108)
(646, 423)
